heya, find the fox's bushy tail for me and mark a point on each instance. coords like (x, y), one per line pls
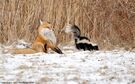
(20, 51)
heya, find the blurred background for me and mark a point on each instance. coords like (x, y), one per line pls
(109, 23)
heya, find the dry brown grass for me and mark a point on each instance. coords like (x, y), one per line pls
(109, 23)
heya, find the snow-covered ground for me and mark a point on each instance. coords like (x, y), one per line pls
(72, 67)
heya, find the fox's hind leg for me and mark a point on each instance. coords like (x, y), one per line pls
(39, 47)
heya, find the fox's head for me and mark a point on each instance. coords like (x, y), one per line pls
(45, 24)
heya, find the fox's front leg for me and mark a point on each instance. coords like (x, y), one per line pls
(56, 49)
(45, 48)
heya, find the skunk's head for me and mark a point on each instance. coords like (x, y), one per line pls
(72, 29)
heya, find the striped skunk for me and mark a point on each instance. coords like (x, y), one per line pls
(81, 42)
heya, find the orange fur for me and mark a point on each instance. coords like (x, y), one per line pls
(39, 43)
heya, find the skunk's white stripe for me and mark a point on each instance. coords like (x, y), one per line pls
(85, 41)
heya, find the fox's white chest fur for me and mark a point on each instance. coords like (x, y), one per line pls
(48, 34)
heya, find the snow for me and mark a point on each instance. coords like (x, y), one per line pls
(72, 67)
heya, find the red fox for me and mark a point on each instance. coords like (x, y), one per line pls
(46, 39)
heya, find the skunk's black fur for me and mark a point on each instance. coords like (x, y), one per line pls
(84, 45)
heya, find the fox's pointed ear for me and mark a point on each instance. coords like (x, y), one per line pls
(41, 22)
